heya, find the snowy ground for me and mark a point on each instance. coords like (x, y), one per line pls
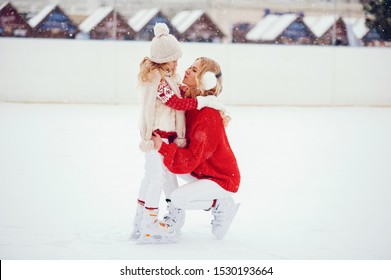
(316, 185)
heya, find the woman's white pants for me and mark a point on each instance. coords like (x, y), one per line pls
(197, 193)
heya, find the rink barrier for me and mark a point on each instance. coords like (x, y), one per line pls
(79, 71)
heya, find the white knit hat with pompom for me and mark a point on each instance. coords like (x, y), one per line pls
(164, 46)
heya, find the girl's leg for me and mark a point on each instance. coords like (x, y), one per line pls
(149, 166)
(154, 180)
(148, 228)
(170, 183)
(157, 178)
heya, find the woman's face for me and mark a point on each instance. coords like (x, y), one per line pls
(190, 74)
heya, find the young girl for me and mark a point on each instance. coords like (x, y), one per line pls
(213, 174)
(162, 113)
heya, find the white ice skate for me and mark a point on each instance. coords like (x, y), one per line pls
(224, 213)
(153, 231)
(137, 221)
(175, 217)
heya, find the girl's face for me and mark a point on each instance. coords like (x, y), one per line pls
(190, 74)
(172, 65)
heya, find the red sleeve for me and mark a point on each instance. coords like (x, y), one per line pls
(168, 97)
(202, 145)
(178, 160)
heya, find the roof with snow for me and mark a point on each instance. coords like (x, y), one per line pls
(141, 18)
(184, 19)
(34, 21)
(93, 20)
(14, 24)
(358, 26)
(2, 5)
(270, 27)
(319, 25)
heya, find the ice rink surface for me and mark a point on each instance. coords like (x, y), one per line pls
(316, 185)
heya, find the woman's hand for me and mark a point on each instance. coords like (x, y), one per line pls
(157, 140)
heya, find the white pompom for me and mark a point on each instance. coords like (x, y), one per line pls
(160, 29)
(209, 80)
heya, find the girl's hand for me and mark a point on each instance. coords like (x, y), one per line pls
(183, 89)
(157, 140)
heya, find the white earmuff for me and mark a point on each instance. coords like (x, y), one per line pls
(209, 80)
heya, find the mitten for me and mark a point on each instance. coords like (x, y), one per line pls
(226, 117)
(210, 101)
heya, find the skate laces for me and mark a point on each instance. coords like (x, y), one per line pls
(157, 222)
(162, 224)
(218, 217)
(221, 211)
(174, 214)
(158, 229)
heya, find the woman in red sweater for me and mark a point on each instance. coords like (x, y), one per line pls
(207, 162)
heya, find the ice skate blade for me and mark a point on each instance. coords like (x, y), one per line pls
(157, 239)
(135, 236)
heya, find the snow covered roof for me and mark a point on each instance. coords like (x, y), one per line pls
(34, 21)
(269, 27)
(319, 25)
(261, 27)
(141, 18)
(93, 20)
(184, 19)
(358, 26)
(2, 5)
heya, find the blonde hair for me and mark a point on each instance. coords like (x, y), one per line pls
(148, 67)
(208, 65)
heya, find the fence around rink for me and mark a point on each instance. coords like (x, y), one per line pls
(78, 71)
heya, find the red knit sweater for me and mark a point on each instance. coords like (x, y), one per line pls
(168, 97)
(208, 154)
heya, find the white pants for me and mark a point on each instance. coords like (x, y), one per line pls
(197, 193)
(156, 178)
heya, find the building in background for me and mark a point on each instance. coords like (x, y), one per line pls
(225, 13)
(12, 24)
(281, 29)
(197, 26)
(52, 22)
(105, 24)
(319, 22)
(328, 30)
(367, 37)
(144, 21)
(240, 30)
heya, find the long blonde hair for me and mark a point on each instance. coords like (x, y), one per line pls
(148, 67)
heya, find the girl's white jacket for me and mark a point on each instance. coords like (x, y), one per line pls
(155, 114)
